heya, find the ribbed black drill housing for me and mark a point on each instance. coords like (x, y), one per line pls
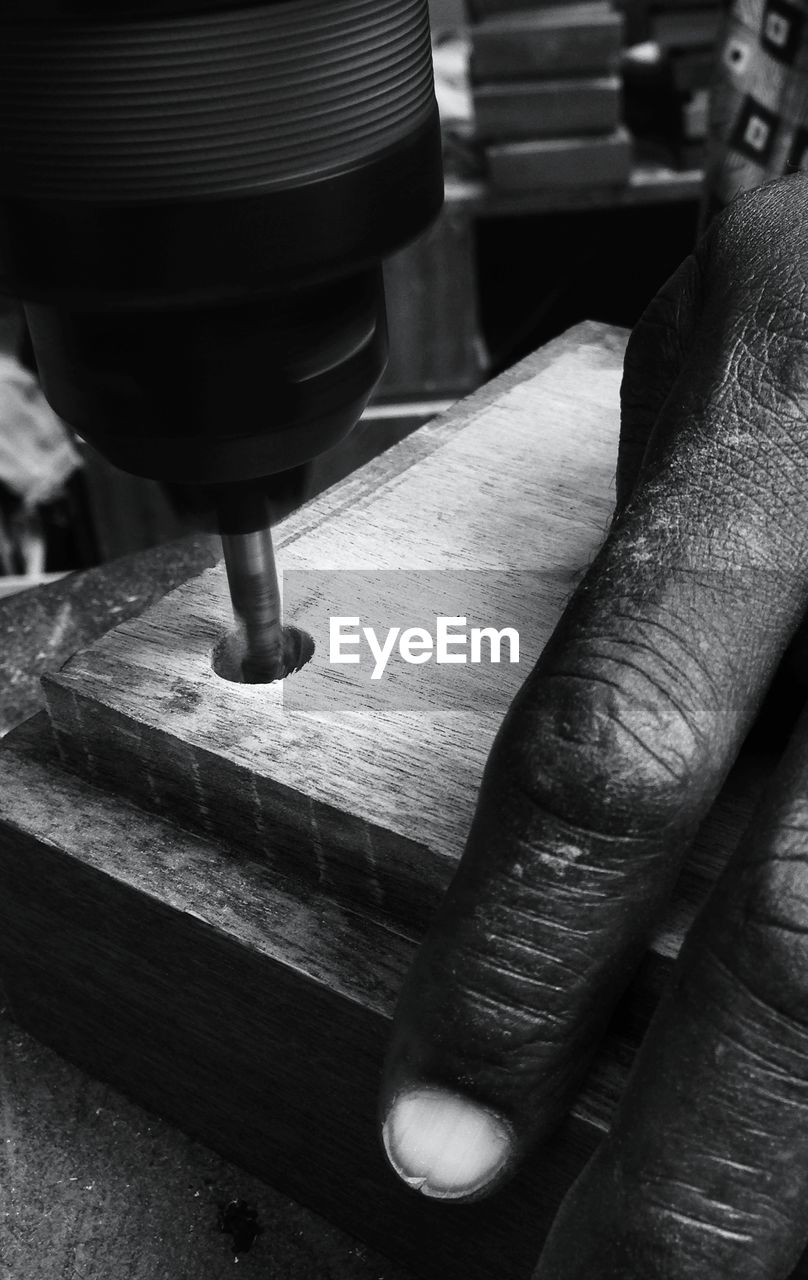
(194, 203)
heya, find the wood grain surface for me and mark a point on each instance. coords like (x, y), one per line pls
(359, 791)
(238, 976)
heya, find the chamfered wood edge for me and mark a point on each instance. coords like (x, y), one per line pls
(408, 882)
(603, 338)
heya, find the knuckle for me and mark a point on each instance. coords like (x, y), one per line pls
(755, 263)
(615, 750)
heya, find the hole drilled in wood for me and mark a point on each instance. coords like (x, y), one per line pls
(230, 656)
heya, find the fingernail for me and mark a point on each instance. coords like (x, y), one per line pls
(443, 1144)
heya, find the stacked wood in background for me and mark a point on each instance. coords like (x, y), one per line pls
(686, 32)
(668, 72)
(546, 93)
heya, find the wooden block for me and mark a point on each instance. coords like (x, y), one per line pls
(688, 29)
(579, 40)
(655, 6)
(547, 108)
(215, 906)
(481, 9)
(255, 1016)
(143, 712)
(561, 162)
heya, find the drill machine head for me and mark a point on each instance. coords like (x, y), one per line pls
(195, 200)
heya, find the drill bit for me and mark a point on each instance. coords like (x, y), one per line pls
(244, 522)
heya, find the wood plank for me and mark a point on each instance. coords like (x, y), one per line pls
(692, 28)
(577, 40)
(334, 779)
(558, 163)
(481, 9)
(647, 184)
(547, 108)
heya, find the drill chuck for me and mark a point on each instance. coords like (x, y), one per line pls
(195, 201)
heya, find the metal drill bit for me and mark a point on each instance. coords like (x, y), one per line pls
(254, 590)
(253, 580)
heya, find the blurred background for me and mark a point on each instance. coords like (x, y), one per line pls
(574, 145)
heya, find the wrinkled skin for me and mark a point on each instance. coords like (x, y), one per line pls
(608, 760)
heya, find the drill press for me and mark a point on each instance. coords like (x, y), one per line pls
(195, 200)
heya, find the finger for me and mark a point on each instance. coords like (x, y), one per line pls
(612, 753)
(705, 1172)
(655, 355)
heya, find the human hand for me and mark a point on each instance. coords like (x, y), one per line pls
(608, 760)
